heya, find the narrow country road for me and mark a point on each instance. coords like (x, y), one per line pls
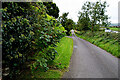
(90, 61)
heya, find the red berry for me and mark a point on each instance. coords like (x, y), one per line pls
(35, 67)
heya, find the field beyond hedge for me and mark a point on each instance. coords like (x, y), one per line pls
(115, 29)
(106, 41)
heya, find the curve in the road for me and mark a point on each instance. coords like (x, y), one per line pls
(90, 61)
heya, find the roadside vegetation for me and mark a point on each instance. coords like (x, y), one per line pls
(31, 32)
(114, 29)
(58, 66)
(106, 41)
(91, 20)
(29, 37)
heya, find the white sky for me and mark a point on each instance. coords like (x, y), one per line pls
(74, 6)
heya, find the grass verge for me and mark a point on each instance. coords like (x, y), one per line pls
(103, 40)
(59, 65)
(64, 49)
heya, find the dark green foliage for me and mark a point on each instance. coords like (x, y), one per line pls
(68, 24)
(52, 9)
(83, 22)
(63, 18)
(28, 32)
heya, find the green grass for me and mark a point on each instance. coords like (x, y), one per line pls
(109, 45)
(64, 49)
(70, 34)
(60, 64)
(48, 74)
(115, 29)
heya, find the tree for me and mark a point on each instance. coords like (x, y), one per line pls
(52, 9)
(63, 18)
(68, 24)
(96, 13)
(83, 21)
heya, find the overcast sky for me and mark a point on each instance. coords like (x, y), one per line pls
(74, 6)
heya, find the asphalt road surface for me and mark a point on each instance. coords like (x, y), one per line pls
(90, 61)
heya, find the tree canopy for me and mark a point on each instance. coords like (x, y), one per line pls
(52, 9)
(93, 15)
(68, 24)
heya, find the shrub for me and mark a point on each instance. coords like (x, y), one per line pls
(28, 32)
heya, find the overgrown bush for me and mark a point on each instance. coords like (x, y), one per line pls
(29, 35)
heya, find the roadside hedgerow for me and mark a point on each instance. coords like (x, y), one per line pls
(29, 37)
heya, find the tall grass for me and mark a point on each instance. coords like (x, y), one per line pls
(106, 41)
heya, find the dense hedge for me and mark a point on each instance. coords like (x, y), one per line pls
(29, 36)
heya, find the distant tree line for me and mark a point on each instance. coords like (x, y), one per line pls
(67, 23)
(93, 16)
